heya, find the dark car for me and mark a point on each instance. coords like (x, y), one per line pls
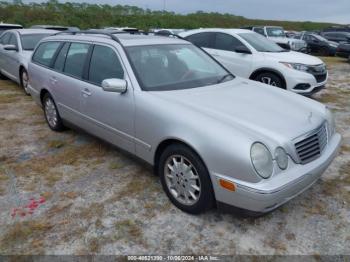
(343, 50)
(340, 37)
(318, 44)
(338, 29)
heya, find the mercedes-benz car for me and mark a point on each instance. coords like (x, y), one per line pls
(16, 48)
(213, 138)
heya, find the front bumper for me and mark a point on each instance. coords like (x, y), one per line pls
(294, 79)
(267, 195)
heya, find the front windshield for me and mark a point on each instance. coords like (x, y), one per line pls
(275, 32)
(260, 43)
(320, 38)
(29, 41)
(175, 67)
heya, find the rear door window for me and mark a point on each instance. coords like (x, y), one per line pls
(61, 58)
(5, 38)
(76, 57)
(202, 39)
(45, 53)
(104, 64)
(13, 40)
(259, 31)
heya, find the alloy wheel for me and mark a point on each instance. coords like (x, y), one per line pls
(51, 112)
(182, 180)
(268, 81)
(25, 81)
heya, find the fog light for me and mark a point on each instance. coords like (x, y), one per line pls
(281, 158)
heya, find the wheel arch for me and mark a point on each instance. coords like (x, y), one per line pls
(169, 141)
(43, 92)
(269, 70)
(20, 69)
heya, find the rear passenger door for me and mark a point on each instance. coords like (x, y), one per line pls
(237, 63)
(108, 115)
(67, 81)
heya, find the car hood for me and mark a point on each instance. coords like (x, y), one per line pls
(295, 57)
(250, 107)
(333, 43)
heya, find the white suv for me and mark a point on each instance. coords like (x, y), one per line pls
(250, 55)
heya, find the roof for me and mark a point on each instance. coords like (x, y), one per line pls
(4, 24)
(124, 38)
(33, 31)
(222, 30)
(51, 26)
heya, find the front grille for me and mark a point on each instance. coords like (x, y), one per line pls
(311, 147)
(319, 72)
(321, 78)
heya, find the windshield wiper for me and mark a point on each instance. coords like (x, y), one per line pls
(222, 79)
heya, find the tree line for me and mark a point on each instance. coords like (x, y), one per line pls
(84, 16)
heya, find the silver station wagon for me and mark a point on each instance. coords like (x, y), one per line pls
(213, 138)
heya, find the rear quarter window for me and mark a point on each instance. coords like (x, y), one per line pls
(45, 53)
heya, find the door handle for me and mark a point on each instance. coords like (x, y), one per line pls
(86, 92)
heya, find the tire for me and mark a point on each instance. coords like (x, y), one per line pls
(24, 80)
(270, 79)
(52, 115)
(188, 186)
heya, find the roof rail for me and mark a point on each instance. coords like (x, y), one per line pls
(110, 33)
(170, 34)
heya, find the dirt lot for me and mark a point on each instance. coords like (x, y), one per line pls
(68, 193)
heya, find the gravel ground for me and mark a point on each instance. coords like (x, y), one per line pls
(69, 193)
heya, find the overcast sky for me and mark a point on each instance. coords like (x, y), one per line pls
(337, 11)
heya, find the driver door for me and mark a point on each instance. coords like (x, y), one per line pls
(12, 64)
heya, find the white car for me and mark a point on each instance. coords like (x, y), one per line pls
(250, 55)
(279, 36)
(16, 48)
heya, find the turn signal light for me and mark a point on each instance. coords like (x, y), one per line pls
(227, 185)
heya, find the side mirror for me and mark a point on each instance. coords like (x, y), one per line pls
(10, 48)
(242, 50)
(115, 85)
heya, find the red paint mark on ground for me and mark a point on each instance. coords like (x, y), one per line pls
(29, 208)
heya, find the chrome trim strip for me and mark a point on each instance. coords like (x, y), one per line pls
(109, 128)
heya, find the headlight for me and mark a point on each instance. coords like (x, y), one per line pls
(261, 160)
(281, 158)
(299, 67)
(330, 122)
